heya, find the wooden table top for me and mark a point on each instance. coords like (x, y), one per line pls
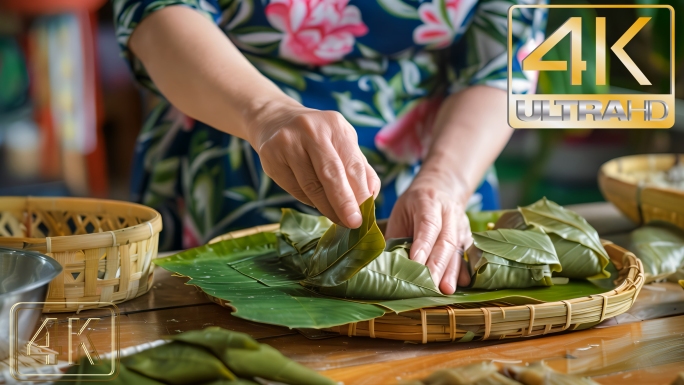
(644, 345)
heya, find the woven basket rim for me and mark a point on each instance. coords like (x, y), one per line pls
(144, 230)
(620, 175)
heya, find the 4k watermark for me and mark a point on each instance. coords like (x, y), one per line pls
(638, 110)
(66, 339)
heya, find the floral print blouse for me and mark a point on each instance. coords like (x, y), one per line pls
(386, 65)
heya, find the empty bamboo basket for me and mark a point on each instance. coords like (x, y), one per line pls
(493, 321)
(105, 247)
(641, 202)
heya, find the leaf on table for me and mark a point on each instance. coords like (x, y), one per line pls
(342, 252)
(660, 247)
(248, 359)
(570, 226)
(178, 364)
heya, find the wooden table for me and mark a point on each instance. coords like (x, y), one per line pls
(637, 347)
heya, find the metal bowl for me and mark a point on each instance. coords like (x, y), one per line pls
(24, 277)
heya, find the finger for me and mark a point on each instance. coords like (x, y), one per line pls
(308, 181)
(354, 165)
(374, 184)
(427, 225)
(445, 247)
(448, 284)
(285, 178)
(463, 274)
(398, 225)
(336, 190)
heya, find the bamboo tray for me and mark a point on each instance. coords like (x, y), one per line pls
(105, 247)
(450, 323)
(638, 201)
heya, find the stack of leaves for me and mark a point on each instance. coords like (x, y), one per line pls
(212, 356)
(486, 373)
(660, 247)
(575, 242)
(351, 263)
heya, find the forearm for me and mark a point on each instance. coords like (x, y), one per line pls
(469, 132)
(196, 67)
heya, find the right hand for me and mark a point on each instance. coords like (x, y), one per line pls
(314, 155)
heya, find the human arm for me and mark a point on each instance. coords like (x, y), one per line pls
(312, 154)
(469, 132)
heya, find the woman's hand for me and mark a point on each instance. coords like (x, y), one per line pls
(431, 213)
(314, 155)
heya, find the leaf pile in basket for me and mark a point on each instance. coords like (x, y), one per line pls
(660, 247)
(213, 356)
(487, 373)
(315, 274)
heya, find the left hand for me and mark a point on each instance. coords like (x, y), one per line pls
(431, 212)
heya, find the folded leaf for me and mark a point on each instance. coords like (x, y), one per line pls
(303, 230)
(248, 358)
(342, 252)
(539, 373)
(392, 275)
(554, 219)
(660, 247)
(508, 258)
(178, 363)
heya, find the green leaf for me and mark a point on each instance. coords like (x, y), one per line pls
(392, 275)
(554, 219)
(303, 230)
(248, 359)
(342, 252)
(528, 247)
(479, 220)
(177, 364)
(660, 247)
(509, 258)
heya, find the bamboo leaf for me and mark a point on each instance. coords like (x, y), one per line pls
(660, 247)
(303, 230)
(509, 258)
(392, 275)
(528, 247)
(248, 359)
(162, 363)
(554, 219)
(342, 252)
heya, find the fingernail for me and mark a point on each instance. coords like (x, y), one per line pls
(354, 220)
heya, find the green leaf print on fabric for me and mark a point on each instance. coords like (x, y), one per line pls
(399, 8)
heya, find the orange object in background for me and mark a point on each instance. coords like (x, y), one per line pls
(42, 7)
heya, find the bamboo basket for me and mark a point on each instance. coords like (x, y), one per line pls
(494, 321)
(638, 201)
(105, 247)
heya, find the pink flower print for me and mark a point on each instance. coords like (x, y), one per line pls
(407, 139)
(316, 32)
(442, 20)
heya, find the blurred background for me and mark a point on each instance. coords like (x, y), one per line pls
(70, 112)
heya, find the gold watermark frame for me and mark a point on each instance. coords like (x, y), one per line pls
(74, 328)
(581, 111)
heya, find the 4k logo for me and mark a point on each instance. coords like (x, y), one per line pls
(66, 339)
(589, 110)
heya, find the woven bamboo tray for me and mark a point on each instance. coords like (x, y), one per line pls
(642, 203)
(450, 323)
(105, 247)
